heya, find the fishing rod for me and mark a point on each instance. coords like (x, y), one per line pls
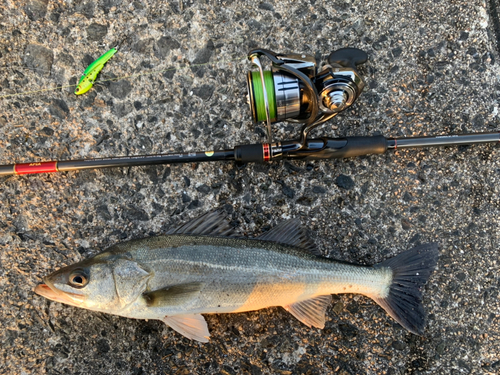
(294, 90)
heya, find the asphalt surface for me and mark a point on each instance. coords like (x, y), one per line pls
(433, 69)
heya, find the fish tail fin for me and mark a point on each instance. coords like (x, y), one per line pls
(410, 272)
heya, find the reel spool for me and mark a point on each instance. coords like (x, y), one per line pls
(293, 90)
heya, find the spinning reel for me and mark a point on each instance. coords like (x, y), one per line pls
(295, 90)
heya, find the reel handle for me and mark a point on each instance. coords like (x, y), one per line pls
(348, 57)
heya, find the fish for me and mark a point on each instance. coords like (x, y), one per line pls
(205, 267)
(89, 76)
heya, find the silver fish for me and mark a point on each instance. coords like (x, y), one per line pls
(202, 268)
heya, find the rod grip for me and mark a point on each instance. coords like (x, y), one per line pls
(358, 146)
(338, 148)
(250, 153)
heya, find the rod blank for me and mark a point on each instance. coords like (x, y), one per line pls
(443, 140)
(323, 148)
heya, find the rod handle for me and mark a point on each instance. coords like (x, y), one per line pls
(255, 153)
(339, 148)
(358, 146)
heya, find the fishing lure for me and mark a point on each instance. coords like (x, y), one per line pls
(89, 76)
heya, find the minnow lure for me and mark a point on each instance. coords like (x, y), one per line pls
(89, 76)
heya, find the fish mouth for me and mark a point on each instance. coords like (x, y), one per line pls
(49, 291)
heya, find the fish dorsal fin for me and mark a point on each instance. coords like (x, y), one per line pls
(212, 223)
(130, 279)
(290, 232)
(311, 312)
(173, 295)
(192, 326)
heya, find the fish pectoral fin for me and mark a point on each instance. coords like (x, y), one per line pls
(173, 295)
(311, 312)
(192, 326)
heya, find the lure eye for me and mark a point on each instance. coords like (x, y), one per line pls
(78, 279)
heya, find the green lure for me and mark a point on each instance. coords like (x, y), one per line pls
(89, 76)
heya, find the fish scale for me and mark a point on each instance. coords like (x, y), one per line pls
(260, 273)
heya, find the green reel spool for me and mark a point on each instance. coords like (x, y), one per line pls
(256, 95)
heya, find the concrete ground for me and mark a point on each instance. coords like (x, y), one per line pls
(433, 69)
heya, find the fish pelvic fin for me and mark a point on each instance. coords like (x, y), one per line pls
(311, 312)
(192, 326)
(410, 272)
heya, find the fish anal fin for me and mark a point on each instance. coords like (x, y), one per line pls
(292, 233)
(174, 295)
(213, 223)
(311, 312)
(192, 326)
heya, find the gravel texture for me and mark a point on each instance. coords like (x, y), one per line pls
(433, 69)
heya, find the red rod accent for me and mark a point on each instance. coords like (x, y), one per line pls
(33, 168)
(267, 154)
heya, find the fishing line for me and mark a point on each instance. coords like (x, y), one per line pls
(258, 92)
(116, 78)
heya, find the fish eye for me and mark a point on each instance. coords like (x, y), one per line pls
(78, 279)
